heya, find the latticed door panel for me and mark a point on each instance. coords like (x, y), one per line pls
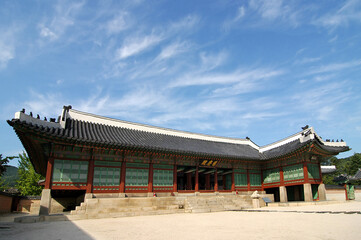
(293, 172)
(70, 171)
(106, 176)
(162, 177)
(271, 176)
(313, 171)
(240, 179)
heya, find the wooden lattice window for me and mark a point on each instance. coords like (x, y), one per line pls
(104, 176)
(271, 176)
(240, 179)
(313, 171)
(293, 172)
(162, 177)
(136, 177)
(70, 171)
(255, 180)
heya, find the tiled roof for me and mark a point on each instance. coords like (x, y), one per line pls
(90, 129)
(284, 149)
(85, 132)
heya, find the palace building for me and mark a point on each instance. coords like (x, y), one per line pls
(85, 154)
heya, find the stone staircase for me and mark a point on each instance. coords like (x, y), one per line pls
(201, 204)
(127, 207)
(140, 206)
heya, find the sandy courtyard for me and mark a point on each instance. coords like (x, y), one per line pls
(220, 225)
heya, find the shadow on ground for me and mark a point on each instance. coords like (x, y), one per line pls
(39, 230)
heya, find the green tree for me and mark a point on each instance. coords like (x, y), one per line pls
(4, 162)
(348, 166)
(353, 164)
(3, 165)
(27, 184)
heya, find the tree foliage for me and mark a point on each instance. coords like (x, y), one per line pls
(27, 184)
(347, 166)
(3, 166)
(4, 162)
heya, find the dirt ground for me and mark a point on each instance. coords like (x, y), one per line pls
(219, 225)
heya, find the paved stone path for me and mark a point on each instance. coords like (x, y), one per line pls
(282, 223)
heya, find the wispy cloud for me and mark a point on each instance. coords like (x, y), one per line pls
(172, 50)
(308, 60)
(64, 17)
(349, 12)
(144, 41)
(45, 104)
(323, 101)
(7, 47)
(269, 9)
(184, 25)
(333, 67)
(245, 80)
(119, 23)
(135, 45)
(240, 14)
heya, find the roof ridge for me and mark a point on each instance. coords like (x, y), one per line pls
(93, 118)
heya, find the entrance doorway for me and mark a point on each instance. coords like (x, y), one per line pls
(185, 178)
(275, 192)
(295, 193)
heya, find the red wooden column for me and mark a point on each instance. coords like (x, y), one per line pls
(233, 188)
(208, 181)
(346, 191)
(89, 183)
(150, 177)
(305, 172)
(224, 182)
(262, 187)
(189, 181)
(175, 178)
(216, 181)
(49, 173)
(282, 180)
(248, 182)
(196, 188)
(122, 177)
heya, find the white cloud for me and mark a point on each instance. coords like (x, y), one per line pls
(46, 105)
(349, 12)
(172, 50)
(321, 102)
(134, 46)
(118, 23)
(229, 23)
(7, 45)
(184, 25)
(241, 13)
(333, 67)
(63, 18)
(244, 78)
(269, 9)
(307, 60)
(7, 52)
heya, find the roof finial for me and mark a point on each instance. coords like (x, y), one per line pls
(31, 114)
(305, 127)
(23, 110)
(38, 116)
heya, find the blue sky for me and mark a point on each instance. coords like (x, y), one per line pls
(261, 69)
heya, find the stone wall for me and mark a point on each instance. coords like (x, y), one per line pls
(5, 203)
(31, 206)
(337, 193)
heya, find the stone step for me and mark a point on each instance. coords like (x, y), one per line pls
(125, 207)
